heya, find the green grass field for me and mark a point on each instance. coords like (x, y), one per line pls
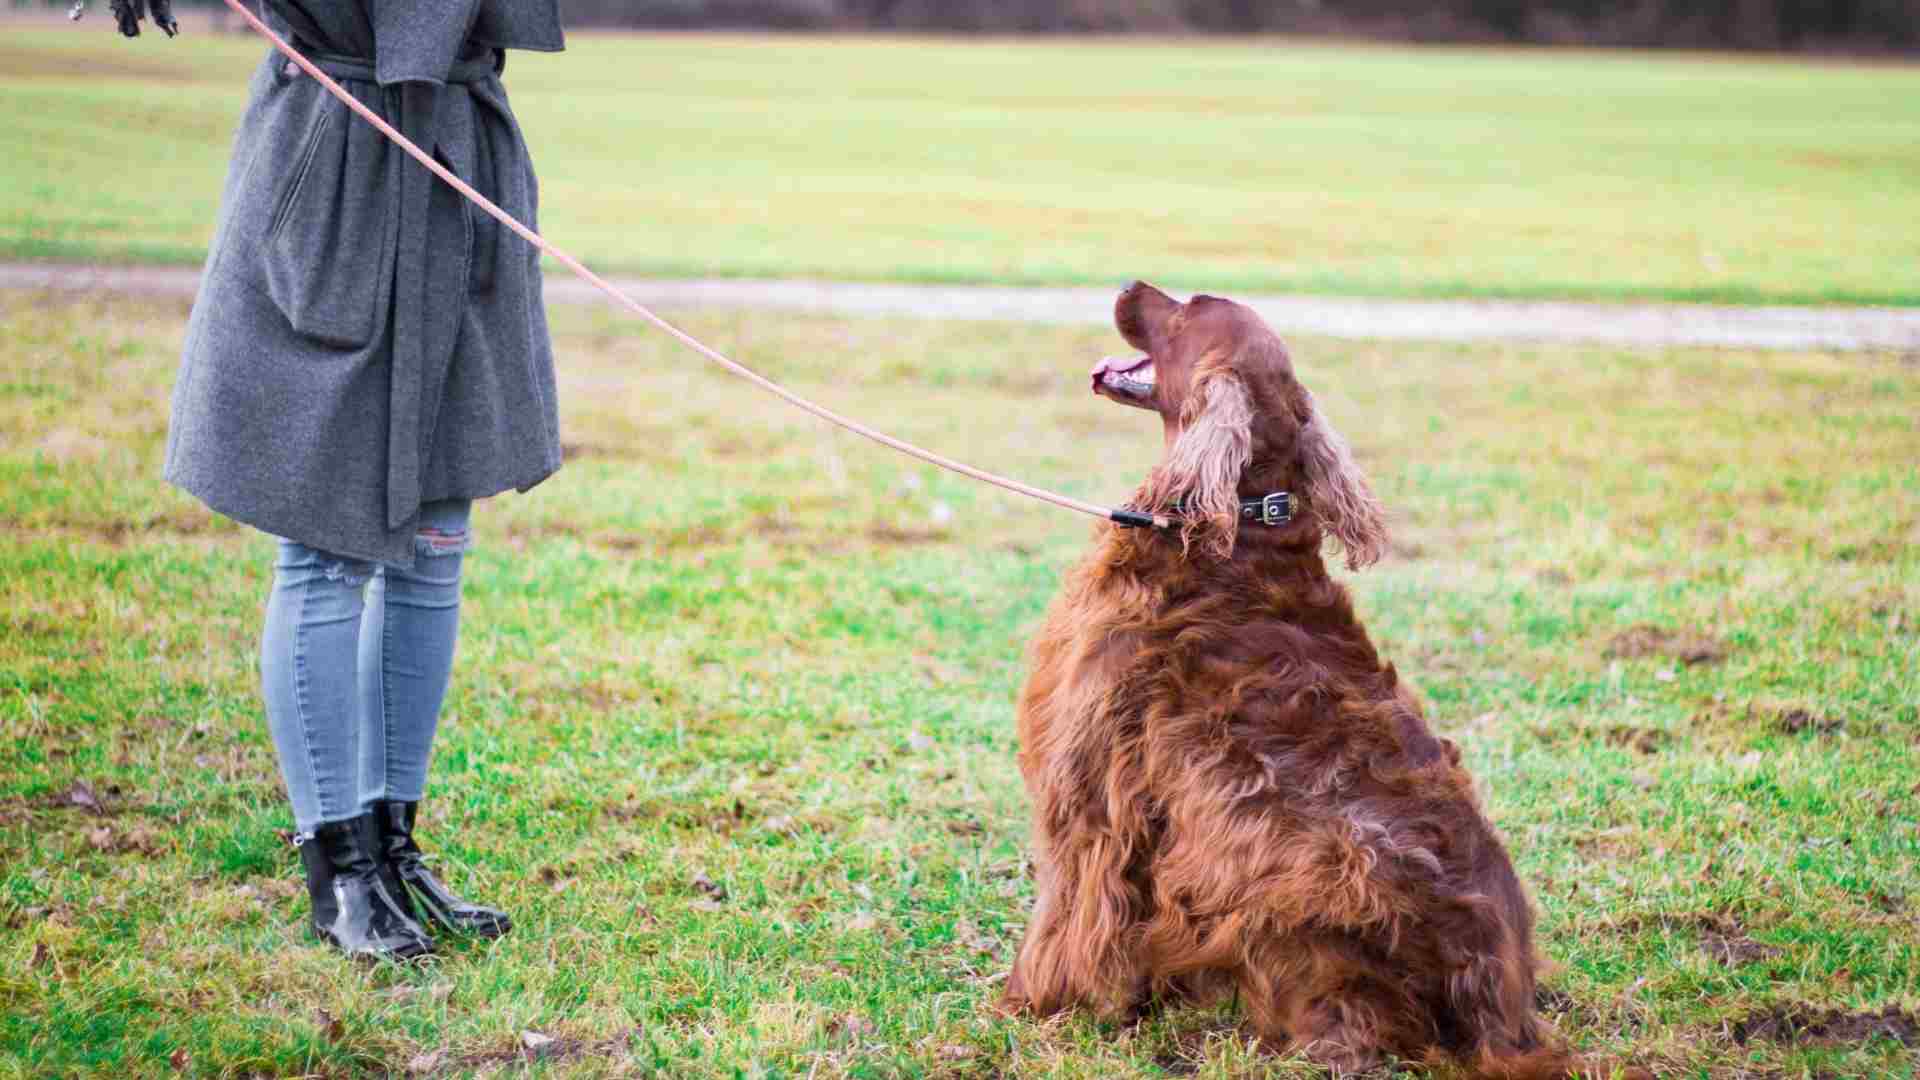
(1669, 604)
(1275, 165)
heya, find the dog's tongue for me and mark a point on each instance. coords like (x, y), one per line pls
(1117, 365)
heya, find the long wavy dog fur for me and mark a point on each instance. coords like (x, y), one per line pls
(1231, 789)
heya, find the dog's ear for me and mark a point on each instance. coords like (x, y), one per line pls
(1338, 493)
(1202, 469)
(1139, 310)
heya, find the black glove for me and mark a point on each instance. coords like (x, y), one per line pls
(129, 14)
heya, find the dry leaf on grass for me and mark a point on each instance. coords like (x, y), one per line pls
(82, 795)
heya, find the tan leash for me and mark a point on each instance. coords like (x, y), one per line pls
(1120, 515)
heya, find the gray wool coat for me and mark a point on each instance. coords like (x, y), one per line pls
(364, 340)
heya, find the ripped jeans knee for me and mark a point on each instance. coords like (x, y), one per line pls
(443, 529)
(430, 542)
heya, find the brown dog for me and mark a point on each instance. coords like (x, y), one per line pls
(1230, 788)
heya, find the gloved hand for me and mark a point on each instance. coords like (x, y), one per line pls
(129, 14)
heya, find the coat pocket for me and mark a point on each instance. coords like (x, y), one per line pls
(328, 230)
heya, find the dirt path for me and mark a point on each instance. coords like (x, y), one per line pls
(1852, 329)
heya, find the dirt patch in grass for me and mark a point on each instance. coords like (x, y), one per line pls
(1797, 721)
(1750, 721)
(1690, 647)
(1626, 736)
(1735, 950)
(722, 819)
(101, 800)
(1722, 937)
(1642, 740)
(1878, 550)
(1798, 1024)
(173, 525)
(907, 536)
(1553, 575)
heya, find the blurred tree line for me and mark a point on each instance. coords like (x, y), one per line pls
(1876, 25)
(1741, 24)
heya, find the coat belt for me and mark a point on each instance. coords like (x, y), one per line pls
(420, 357)
(361, 68)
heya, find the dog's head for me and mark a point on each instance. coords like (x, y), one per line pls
(1233, 411)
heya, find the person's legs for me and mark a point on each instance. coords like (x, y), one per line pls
(406, 657)
(307, 666)
(407, 636)
(309, 678)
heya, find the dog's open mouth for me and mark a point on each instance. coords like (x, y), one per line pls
(1126, 379)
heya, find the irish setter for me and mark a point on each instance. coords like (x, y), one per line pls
(1231, 790)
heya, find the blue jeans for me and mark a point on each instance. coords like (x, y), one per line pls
(354, 661)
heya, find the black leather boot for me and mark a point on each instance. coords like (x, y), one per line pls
(354, 908)
(434, 899)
